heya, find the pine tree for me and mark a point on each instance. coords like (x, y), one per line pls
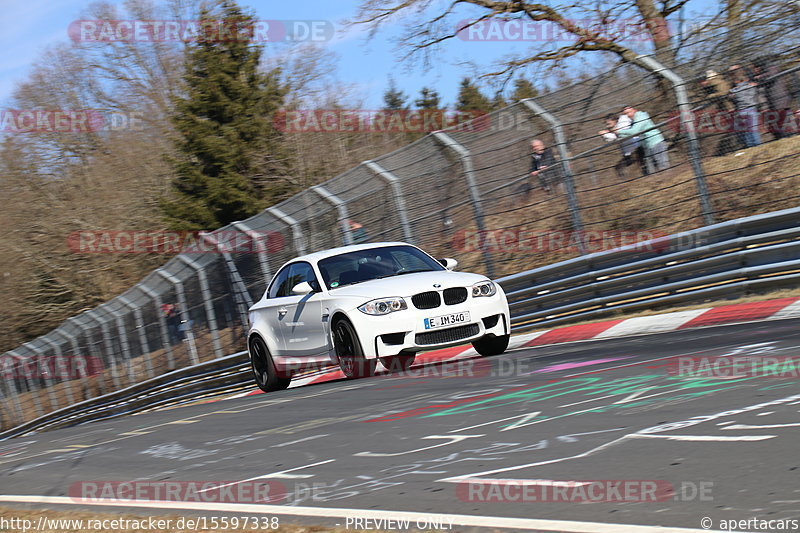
(223, 122)
(428, 99)
(393, 98)
(470, 98)
(523, 89)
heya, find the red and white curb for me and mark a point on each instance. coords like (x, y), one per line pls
(643, 325)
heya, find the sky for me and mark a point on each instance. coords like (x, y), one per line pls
(29, 26)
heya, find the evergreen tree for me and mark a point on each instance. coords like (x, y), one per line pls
(428, 99)
(470, 98)
(223, 122)
(523, 89)
(393, 98)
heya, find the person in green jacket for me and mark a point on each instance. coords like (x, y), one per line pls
(651, 138)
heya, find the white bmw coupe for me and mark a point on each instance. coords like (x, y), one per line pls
(355, 305)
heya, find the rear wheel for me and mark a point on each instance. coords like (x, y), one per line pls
(491, 344)
(266, 376)
(349, 352)
(398, 363)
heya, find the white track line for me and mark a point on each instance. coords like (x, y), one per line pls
(494, 522)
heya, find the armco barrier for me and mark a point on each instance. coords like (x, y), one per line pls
(753, 253)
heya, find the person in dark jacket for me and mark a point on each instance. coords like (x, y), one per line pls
(543, 165)
(774, 90)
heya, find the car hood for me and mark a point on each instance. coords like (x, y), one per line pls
(408, 284)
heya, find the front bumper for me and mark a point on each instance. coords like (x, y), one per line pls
(404, 331)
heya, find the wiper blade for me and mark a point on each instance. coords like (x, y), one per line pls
(414, 271)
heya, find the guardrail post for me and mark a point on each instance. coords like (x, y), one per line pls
(341, 208)
(162, 324)
(137, 316)
(566, 169)
(183, 310)
(207, 302)
(297, 233)
(474, 193)
(397, 192)
(48, 381)
(260, 247)
(240, 293)
(687, 126)
(62, 364)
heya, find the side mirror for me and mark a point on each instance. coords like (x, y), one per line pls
(302, 288)
(449, 263)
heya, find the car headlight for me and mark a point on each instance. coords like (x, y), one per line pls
(383, 306)
(484, 288)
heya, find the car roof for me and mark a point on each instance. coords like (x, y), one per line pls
(317, 256)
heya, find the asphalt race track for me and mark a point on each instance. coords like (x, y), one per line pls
(481, 437)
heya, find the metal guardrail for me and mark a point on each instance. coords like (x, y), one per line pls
(753, 253)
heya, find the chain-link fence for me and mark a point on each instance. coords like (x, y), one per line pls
(466, 192)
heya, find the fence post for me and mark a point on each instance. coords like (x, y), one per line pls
(566, 169)
(47, 380)
(341, 208)
(474, 193)
(260, 246)
(12, 380)
(137, 316)
(183, 310)
(61, 363)
(687, 126)
(123, 339)
(297, 233)
(207, 302)
(240, 294)
(397, 192)
(32, 389)
(77, 319)
(75, 350)
(162, 324)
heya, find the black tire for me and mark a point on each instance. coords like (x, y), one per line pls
(264, 372)
(349, 352)
(398, 363)
(491, 344)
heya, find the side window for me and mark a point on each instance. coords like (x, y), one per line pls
(302, 272)
(280, 286)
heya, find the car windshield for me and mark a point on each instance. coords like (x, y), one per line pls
(374, 263)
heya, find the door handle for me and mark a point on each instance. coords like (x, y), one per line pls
(282, 311)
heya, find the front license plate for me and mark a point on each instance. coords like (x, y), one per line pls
(446, 320)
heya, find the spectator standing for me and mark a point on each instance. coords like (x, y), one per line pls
(744, 95)
(778, 100)
(632, 150)
(543, 165)
(655, 146)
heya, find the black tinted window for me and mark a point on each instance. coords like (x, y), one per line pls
(301, 272)
(280, 284)
(374, 263)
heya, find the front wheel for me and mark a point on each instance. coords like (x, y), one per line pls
(491, 344)
(349, 352)
(266, 376)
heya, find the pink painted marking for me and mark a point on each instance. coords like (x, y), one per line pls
(569, 366)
